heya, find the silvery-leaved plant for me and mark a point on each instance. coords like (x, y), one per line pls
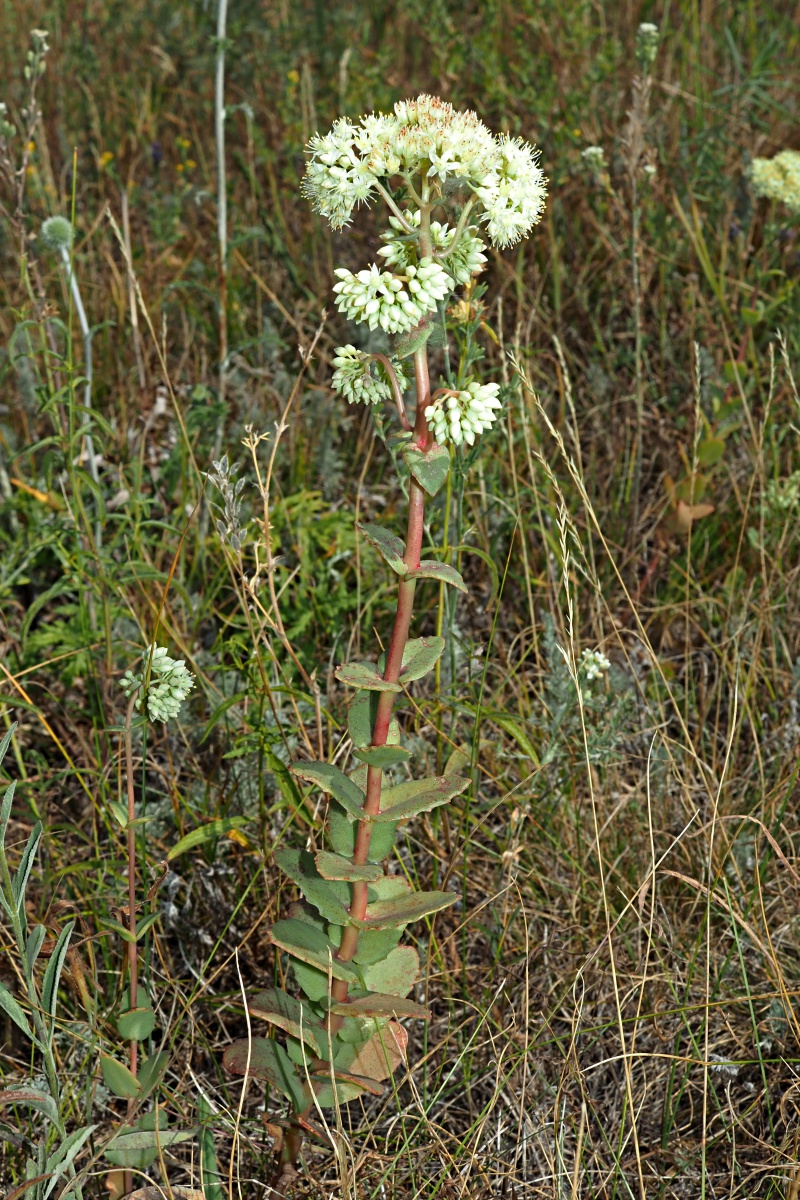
(450, 187)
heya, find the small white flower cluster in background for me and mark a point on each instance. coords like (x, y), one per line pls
(460, 416)
(466, 260)
(361, 379)
(170, 684)
(396, 303)
(594, 664)
(778, 178)
(646, 45)
(427, 136)
(595, 158)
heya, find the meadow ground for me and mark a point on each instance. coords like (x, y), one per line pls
(615, 990)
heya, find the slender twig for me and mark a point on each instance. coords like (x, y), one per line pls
(396, 392)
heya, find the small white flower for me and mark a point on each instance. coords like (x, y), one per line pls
(594, 157)
(169, 685)
(362, 380)
(594, 664)
(461, 416)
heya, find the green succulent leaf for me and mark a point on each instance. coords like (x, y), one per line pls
(311, 946)
(364, 675)
(408, 343)
(443, 572)
(299, 865)
(430, 467)
(118, 1079)
(334, 783)
(376, 1004)
(375, 944)
(382, 756)
(394, 975)
(385, 914)
(388, 545)
(361, 720)
(151, 1072)
(417, 796)
(335, 866)
(136, 1024)
(419, 657)
(267, 1060)
(279, 1008)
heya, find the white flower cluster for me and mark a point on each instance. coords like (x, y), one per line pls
(426, 136)
(170, 684)
(400, 248)
(395, 302)
(361, 379)
(778, 178)
(594, 157)
(513, 194)
(460, 416)
(646, 45)
(594, 664)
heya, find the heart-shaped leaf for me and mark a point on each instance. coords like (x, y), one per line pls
(429, 468)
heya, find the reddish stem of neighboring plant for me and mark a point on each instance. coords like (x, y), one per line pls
(133, 958)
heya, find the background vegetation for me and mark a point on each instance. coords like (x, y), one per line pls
(615, 994)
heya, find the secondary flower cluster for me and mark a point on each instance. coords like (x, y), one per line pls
(395, 302)
(363, 380)
(778, 178)
(427, 137)
(594, 664)
(460, 416)
(467, 257)
(170, 684)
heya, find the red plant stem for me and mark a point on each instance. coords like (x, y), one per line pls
(394, 662)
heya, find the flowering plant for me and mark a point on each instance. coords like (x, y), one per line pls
(343, 1037)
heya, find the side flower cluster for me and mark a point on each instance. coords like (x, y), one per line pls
(170, 684)
(460, 416)
(361, 379)
(778, 178)
(395, 302)
(467, 258)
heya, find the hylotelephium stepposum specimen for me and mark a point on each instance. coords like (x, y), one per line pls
(450, 186)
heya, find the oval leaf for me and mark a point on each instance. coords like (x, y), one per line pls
(419, 657)
(279, 1008)
(378, 1005)
(267, 1060)
(365, 675)
(311, 946)
(418, 795)
(388, 545)
(118, 1079)
(391, 914)
(136, 1024)
(334, 783)
(439, 571)
(335, 866)
(396, 974)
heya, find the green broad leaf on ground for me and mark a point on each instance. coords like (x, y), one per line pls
(139, 1148)
(443, 572)
(311, 946)
(377, 1058)
(388, 545)
(334, 783)
(419, 657)
(136, 1024)
(151, 1072)
(396, 974)
(417, 796)
(382, 756)
(210, 832)
(384, 914)
(287, 1013)
(299, 865)
(429, 468)
(376, 1004)
(364, 675)
(118, 1079)
(710, 451)
(267, 1060)
(336, 866)
(343, 831)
